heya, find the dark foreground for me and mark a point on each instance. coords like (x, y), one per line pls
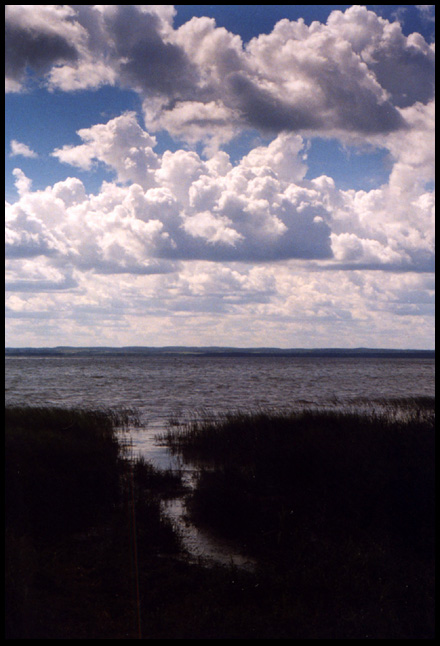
(336, 507)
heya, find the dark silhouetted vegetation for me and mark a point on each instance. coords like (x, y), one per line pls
(77, 510)
(336, 507)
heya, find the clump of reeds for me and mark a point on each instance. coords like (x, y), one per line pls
(342, 565)
(78, 506)
(59, 418)
(355, 469)
(216, 437)
(166, 482)
(339, 503)
(63, 467)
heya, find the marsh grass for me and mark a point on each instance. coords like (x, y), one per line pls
(167, 482)
(62, 468)
(74, 495)
(328, 468)
(337, 504)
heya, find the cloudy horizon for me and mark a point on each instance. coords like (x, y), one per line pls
(174, 181)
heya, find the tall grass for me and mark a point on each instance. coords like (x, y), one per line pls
(78, 512)
(62, 470)
(356, 469)
(338, 504)
(225, 436)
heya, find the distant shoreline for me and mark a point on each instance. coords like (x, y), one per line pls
(372, 353)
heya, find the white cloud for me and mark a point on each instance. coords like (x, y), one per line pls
(18, 148)
(212, 228)
(37, 275)
(172, 207)
(347, 77)
(404, 66)
(414, 153)
(86, 74)
(121, 144)
(230, 305)
(178, 206)
(194, 121)
(22, 183)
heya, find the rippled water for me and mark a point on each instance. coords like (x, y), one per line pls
(161, 387)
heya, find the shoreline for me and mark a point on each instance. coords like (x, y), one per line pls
(320, 353)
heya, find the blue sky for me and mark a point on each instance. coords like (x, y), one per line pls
(220, 175)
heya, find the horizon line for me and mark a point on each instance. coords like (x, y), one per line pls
(218, 347)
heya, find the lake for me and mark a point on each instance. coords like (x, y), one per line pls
(164, 387)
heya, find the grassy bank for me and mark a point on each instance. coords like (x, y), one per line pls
(338, 506)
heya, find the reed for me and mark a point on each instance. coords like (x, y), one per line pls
(325, 467)
(62, 469)
(77, 511)
(336, 504)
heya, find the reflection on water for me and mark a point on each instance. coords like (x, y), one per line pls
(201, 545)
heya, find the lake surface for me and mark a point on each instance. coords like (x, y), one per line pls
(177, 387)
(164, 387)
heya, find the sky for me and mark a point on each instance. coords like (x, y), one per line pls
(220, 175)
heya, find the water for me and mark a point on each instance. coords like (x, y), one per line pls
(162, 387)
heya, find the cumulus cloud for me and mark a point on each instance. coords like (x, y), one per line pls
(295, 78)
(120, 144)
(167, 208)
(171, 207)
(202, 83)
(22, 183)
(18, 148)
(39, 38)
(403, 66)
